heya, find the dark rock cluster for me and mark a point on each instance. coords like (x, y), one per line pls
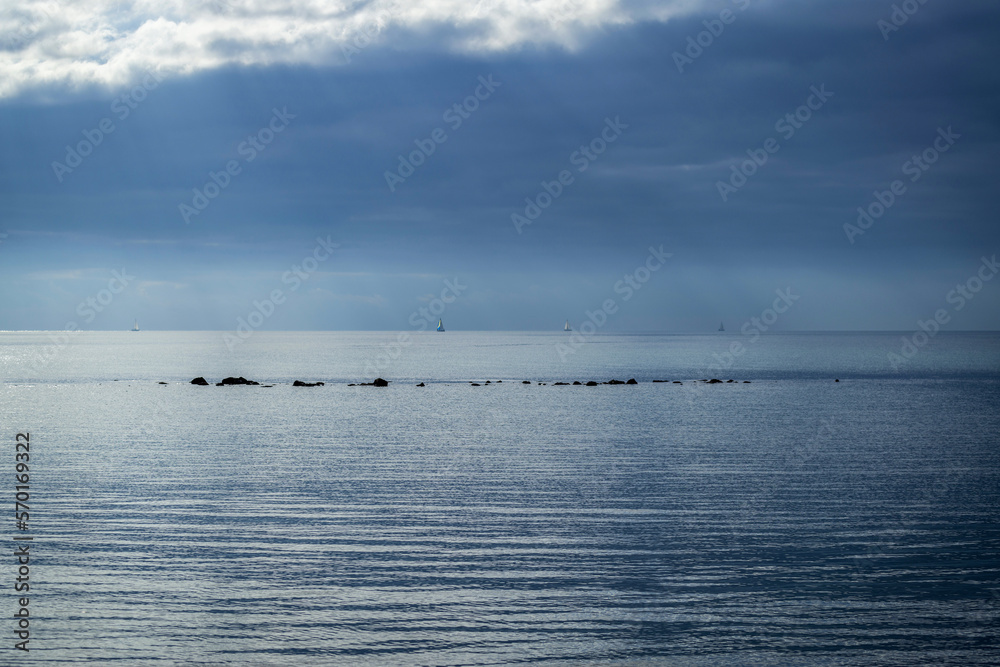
(379, 382)
(242, 380)
(239, 380)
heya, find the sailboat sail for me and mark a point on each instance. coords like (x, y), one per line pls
(440, 325)
(135, 327)
(721, 328)
(567, 327)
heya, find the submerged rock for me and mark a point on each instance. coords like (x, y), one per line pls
(421, 385)
(560, 384)
(715, 381)
(577, 382)
(614, 382)
(631, 381)
(525, 381)
(300, 383)
(200, 380)
(591, 384)
(475, 384)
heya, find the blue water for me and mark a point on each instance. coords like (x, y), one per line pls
(791, 520)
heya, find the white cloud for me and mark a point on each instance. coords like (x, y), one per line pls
(115, 42)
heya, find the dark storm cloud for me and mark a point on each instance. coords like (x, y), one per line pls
(656, 183)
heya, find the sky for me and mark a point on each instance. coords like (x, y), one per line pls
(501, 164)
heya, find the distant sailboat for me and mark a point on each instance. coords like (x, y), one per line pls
(567, 327)
(440, 325)
(721, 328)
(135, 327)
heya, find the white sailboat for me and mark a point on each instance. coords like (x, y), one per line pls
(440, 325)
(721, 328)
(567, 327)
(135, 327)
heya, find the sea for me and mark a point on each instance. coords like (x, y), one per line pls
(838, 503)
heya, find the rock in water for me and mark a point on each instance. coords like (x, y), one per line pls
(631, 381)
(200, 380)
(421, 385)
(525, 382)
(239, 380)
(300, 383)
(379, 382)
(591, 384)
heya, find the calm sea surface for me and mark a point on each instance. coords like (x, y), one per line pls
(789, 520)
